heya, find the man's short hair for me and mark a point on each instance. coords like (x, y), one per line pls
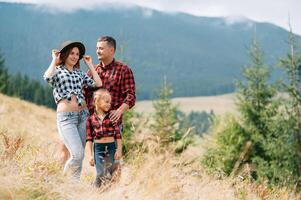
(110, 40)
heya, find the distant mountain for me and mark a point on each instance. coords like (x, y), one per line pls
(198, 55)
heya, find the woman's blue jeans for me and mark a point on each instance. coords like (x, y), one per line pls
(72, 129)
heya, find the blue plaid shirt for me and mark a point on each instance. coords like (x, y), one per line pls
(66, 83)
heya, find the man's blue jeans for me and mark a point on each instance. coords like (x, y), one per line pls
(72, 129)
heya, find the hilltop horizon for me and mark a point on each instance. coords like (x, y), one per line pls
(200, 56)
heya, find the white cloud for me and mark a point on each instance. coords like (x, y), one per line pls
(147, 12)
(231, 20)
(235, 19)
(273, 11)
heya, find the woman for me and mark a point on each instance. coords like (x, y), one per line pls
(67, 80)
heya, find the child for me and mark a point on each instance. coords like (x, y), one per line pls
(104, 134)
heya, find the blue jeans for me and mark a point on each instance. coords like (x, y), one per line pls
(104, 160)
(72, 129)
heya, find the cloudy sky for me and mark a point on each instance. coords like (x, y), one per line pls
(274, 11)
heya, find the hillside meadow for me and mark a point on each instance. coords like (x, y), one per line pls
(29, 167)
(220, 104)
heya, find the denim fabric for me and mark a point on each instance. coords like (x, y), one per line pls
(72, 129)
(104, 160)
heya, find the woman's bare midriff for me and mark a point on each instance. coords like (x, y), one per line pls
(105, 140)
(70, 106)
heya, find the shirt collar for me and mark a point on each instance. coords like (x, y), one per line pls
(96, 116)
(63, 67)
(109, 66)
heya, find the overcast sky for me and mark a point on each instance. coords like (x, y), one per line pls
(273, 11)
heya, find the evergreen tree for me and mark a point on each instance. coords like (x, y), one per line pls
(21, 86)
(48, 97)
(15, 83)
(128, 130)
(4, 76)
(268, 126)
(263, 137)
(165, 124)
(38, 95)
(255, 99)
(292, 66)
(26, 90)
(201, 121)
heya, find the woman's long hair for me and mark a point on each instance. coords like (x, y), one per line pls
(64, 55)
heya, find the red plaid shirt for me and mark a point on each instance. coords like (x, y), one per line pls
(97, 128)
(118, 79)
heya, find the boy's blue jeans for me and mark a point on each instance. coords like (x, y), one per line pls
(72, 129)
(104, 159)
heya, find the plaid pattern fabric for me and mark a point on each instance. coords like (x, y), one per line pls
(118, 79)
(66, 83)
(97, 128)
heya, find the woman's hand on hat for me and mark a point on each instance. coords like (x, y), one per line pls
(56, 56)
(88, 60)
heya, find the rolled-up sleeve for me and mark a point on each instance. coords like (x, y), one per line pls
(128, 87)
(117, 132)
(88, 80)
(51, 80)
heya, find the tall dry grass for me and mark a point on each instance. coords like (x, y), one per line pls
(29, 167)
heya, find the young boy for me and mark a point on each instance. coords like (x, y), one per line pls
(104, 134)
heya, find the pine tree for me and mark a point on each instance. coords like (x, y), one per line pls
(4, 76)
(255, 99)
(272, 149)
(292, 66)
(263, 136)
(130, 121)
(48, 97)
(165, 124)
(25, 88)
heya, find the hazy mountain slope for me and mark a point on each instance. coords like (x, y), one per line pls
(199, 55)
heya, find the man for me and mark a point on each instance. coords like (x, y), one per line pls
(118, 79)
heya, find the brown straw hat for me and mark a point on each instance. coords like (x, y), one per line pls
(70, 44)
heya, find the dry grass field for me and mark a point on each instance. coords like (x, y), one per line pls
(29, 167)
(219, 104)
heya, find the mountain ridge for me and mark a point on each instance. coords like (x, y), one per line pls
(198, 55)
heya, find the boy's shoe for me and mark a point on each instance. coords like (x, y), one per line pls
(97, 182)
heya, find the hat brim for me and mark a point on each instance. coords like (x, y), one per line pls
(79, 45)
